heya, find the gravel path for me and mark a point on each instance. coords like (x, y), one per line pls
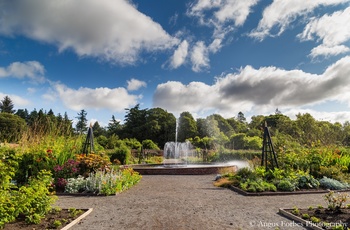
(186, 202)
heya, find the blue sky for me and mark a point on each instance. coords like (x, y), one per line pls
(200, 56)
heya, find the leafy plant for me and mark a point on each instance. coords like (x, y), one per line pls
(63, 172)
(57, 223)
(104, 182)
(305, 216)
(315, 220)
(332, 184)
(335, 200)
(33, 201)
(296, 211)
(307, 182)
(92, 163)
(285, 185)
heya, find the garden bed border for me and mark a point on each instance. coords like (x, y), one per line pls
(304, 223)
(74, 222)
(279, 193)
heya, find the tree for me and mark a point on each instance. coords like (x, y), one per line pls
(81, 125)
(6, 105)
(98, 130)
(23, 113)
(223, 124)
(114, 127)
(241, 117)
(135, 124)
(11, 127)
(160, 126)
(187, 127)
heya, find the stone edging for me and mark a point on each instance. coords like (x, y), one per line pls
(303, 222)
(244, 193)
(71, 224)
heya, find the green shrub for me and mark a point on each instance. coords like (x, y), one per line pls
(122, 154)
(33, 201)
(245, 173)
(307, 182)
(104, 183)
(258, 185)
(92, 163)
(8, 165)
(333, 172)
(285, 185)
(335, 200)
(328, 183)
(11, 127)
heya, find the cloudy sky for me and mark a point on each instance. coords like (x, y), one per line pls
(200, 56)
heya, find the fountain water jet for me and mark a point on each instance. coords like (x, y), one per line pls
(177, 152)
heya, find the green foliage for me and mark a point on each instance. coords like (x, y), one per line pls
(11, 127)
(122, 154)
(258, 185)
(57, 223)
(187, 127)
(225, 155)
(81, 125)
(6, 105)
(149, 144)
(102, 140)
(315, 220)
(103, 182)
(8, 166)
(305, 216)
(33, 201)
(333, 171)
(335, 200)
(296, 211)
(286, 185)
(92, 162)
(307, 182)
(328, 183)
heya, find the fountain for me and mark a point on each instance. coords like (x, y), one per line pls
(176, 152)
(175, 162)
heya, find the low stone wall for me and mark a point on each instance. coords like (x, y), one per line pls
(187, 170)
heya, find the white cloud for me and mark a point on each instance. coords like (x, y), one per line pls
(326, 51)
(224, 11)
(116, 99)
(135, 84)
(179, 56)
(258, 90)
(216, 45)
(281, 13)
(32, 70)
(112, 30)
(17, 101)
(332, 30)
(199, 57)
(221, 15)
(339, 116)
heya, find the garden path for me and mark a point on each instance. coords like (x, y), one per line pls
(186, 202)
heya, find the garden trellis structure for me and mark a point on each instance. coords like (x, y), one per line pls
(89, 142)
(268, 156)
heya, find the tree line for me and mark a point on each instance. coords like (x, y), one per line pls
(159, 126)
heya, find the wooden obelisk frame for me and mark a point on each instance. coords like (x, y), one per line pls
(268, 156)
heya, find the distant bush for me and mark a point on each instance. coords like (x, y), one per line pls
(329, 183)
(122, 154)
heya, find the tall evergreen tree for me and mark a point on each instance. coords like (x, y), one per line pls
(6, 105)
(81, 125)
(23, 113)
(114, 127)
